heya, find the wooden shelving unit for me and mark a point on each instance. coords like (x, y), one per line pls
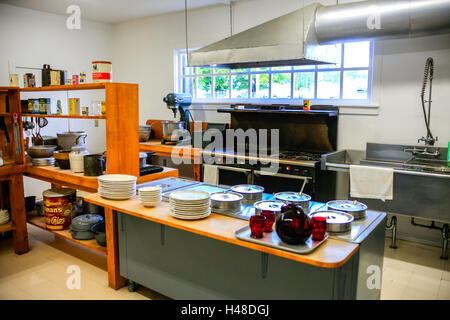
(11, 180)
(122, 146)
(39, 222)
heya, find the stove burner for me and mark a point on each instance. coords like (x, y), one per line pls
(299, 155)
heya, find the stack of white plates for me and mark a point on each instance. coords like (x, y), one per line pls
(189, 205)
(4, 216)
(117, 186)
(150, 196)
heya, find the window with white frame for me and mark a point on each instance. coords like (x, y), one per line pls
(348, 81)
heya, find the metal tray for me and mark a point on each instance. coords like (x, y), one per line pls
(272, 240)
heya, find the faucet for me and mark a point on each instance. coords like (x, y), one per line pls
(424, 152)
(428, 75)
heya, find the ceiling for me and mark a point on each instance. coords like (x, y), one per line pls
(114, 11)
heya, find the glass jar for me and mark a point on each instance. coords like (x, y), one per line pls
(76, 158)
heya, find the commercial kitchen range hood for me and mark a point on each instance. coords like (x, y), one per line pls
(293, 39)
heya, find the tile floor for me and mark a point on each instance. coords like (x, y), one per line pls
(414, 271)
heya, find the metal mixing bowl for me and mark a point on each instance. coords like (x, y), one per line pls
(41, 151)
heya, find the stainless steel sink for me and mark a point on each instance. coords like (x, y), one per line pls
(421, 185)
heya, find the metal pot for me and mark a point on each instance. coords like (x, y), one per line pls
(41, 151)
(337, 221)
(355, 208)
(85, 222)
(301, 199)
(268, 205)
(94, 165)
(250, 192)
(100, 235)
(226, 202)
(67, 140)
(168, 127)
(144, 136)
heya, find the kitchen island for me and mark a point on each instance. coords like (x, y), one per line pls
(204, 260)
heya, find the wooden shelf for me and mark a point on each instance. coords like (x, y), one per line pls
(6, 114)
(10, 169)
(39, 222)
(81, 182)
(7, 227)
(62, 177)
(61, 116)
(85, 86)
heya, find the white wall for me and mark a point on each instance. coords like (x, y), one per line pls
(31, 38)
(143, 53)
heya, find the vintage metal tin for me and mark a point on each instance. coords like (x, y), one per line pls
(59, 207)
(75, 79)
(82, 77)
(337, 221)
(226, 202)
(268, 205)
(250, 192)
(44, 106)
(301, 199)
(101, 71)
(355, 208)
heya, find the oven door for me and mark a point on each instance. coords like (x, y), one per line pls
(231, 176)
(279, 182)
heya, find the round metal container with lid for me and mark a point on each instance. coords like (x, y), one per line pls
(226, 202)
(59, 207)
(268, 205)
(301, 199)
(337, 221)
(355, 208)
(251, 193)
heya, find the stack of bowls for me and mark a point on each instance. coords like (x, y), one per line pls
(4, 216)
(144, 133)
(43, 161)
(150, 196)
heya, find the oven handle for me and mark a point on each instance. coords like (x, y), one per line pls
(282, 175)
(233, 169)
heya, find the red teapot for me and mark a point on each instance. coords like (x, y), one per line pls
(293, 225)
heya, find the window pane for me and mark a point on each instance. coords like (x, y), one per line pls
(188, 85)
(287, 68)
(305, 67)
(328, 85)
(281, 85)
(239, 87)
(332, 52)
(204, 70)
(304, 85)
(356, 54)
(184, 68)
(355, 84)
(260, 69)
(221, 87)
(239, 70)
(260, 86)
(218, 70)
(204, 88)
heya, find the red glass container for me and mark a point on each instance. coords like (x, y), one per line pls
(270, 219)
(293, 225)
(319, 227)
(257, 223)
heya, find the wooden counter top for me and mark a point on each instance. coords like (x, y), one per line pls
(168, 150)
(332, 254)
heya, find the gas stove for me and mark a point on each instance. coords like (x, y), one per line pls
(299, 156)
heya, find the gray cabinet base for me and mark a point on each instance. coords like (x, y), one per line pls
(183, 265)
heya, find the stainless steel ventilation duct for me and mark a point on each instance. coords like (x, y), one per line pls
(381, 19)
(292, 39)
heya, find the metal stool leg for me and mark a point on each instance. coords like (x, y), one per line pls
(445, 230)
(393, 226)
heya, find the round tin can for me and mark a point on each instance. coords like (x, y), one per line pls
(101, 71)
(268, 205)
(302, 199)
(355, 208)
(59, 207)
